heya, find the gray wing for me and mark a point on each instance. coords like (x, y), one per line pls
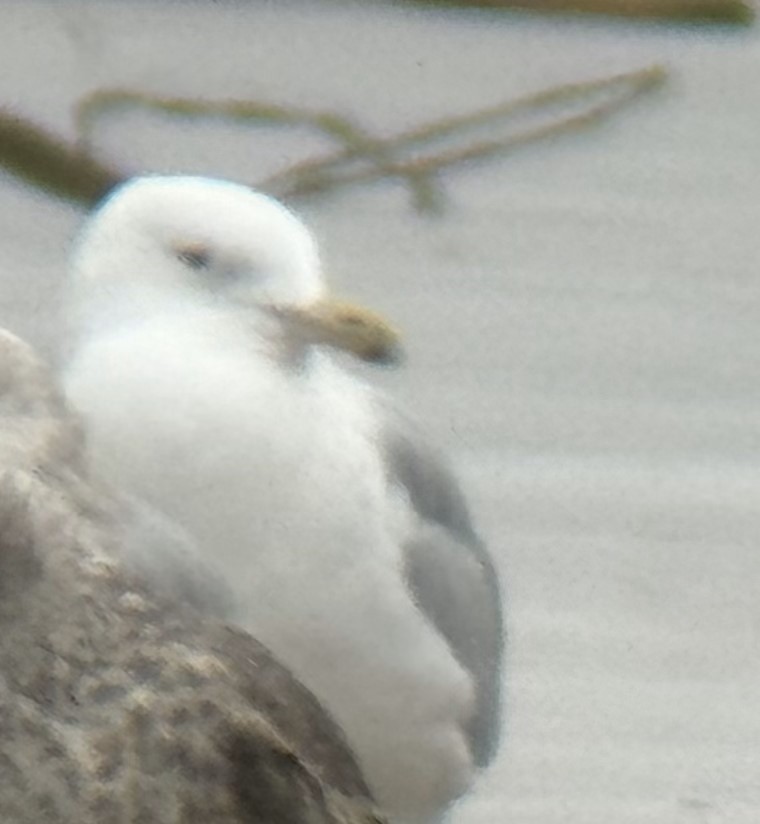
(450, 570)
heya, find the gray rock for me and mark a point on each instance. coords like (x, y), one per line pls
(117, 703)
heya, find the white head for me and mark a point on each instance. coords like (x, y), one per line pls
(183, 239)
(207, 235)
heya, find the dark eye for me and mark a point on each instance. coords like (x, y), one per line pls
(196, 257)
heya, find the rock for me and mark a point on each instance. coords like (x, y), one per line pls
(117, 702)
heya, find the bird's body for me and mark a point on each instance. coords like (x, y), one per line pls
(272, 458)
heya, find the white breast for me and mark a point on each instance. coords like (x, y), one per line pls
(277, 477)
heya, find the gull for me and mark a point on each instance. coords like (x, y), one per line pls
(204, 366)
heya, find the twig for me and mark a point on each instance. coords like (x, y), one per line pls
(635, 82)
(352, 137)
(327, 173)
(93, 106)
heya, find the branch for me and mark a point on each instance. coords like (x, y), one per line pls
(737, 12)
(49, 163)
(416, 156)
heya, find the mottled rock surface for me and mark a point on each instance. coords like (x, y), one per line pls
(118, 704)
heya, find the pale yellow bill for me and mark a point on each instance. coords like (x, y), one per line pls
(345, 326)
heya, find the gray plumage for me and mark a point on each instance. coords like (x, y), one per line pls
(450, 571)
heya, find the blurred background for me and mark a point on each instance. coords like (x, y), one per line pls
(581, 313)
